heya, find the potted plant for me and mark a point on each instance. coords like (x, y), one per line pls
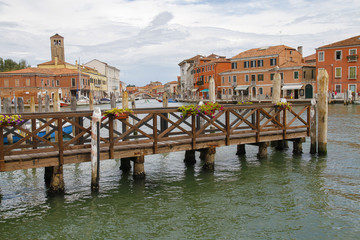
(118, 113)
(209, 108)
(10, 120)
(244, 103)
(189, 110)
(283, 105)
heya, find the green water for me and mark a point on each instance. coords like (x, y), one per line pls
(281, 197)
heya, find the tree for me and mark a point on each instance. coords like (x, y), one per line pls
(10, 65)
(130, 85)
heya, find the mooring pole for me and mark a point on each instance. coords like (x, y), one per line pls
(323, 81)
(95, 149)
(313, 126)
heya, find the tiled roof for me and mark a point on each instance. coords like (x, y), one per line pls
(294, 64)
(49, 71)
(53, 63)
(347, 42)
(311, 57)
(263, 51)
(57, 35)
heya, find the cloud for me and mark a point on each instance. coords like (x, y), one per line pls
(147, 39)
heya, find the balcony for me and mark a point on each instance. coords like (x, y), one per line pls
(352, 58)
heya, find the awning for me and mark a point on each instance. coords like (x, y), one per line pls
(194, 90)
(291, 87)
(241, 87)
(205, 90)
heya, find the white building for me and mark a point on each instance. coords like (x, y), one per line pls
(112, 74)
(186, 76)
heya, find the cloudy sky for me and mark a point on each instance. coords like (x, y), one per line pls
(146, 39)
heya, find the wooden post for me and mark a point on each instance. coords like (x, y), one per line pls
(163, 123)
(189, 159)
(56, 108)
(263, 149)
(73, 108)
(47, 103)
(209, 158)
(126, 165)
(95, 149)
(32, 104)
(133, 106)
(323, 82)
(276, 88)
(57, 180)
(297, 145)
(39, 103)
(91, 101)
(241, 149)
(139, 171)
(20, 105)
(313, 126)
(112, 100)
(7, 105)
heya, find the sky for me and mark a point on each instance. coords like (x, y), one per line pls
(147, 39)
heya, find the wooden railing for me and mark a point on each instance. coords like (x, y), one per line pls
(146, 131)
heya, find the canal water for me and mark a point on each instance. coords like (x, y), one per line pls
(280, 197)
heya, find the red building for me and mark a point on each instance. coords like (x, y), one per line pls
(30, 82)
(206, 68)
(341, 60)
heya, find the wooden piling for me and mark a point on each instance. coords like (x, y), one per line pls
(313, 144)
(91, 101)
(189, 159)
(125, 166)
(263, 150)
(139, 171)
(56, 108)
(20, 104)
(276, 88)
(209, 159)
(297, 145)
(57, 180)
(323, 83)
(39, 103)
(95, 149)
(241, 150)
(7, 105)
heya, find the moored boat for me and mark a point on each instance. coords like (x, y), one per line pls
(104, 100)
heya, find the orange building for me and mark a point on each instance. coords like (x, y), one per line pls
(341, 60)
(206, 68)
(252, 72)
(30, 82)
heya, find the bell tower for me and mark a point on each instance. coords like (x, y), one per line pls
(57, 47)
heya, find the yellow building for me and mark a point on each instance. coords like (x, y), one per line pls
(98, 83)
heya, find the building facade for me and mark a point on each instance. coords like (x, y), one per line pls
(112, 75)
(341, 61)
(252, 72)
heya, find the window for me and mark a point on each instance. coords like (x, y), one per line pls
(321, 56)
(6, 83)
(282, 76)
(223, 79)
(48, 82)
(73, 83)
(42, 82)
(272, 61)
(253, 63)
(246, 78)
(229, 91)
(352, 51)
(224, 91)
(260, 63)
(260, 77)
(246, 64)
(27, 82)
(234, 65)
(352, 72)
(17, 83)
(260, 91)
(338, 55)
(53, 83)
(296, 75)
(338, 88)
(272, 76)
(234, 79)
(253, 78)
(57, 82)
(338, 72)
(304, 74)
(229, 79)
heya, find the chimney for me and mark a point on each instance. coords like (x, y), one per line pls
(300, 50)
(56, 61)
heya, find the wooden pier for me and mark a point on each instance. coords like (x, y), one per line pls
(148, 131)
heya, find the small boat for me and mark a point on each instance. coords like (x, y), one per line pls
(104, 100)
(64, 104)
(83, 101)
(67, 128)
(159, 100)
(170, 100)
(356, 102)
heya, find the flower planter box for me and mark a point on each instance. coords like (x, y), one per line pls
(122, 115)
